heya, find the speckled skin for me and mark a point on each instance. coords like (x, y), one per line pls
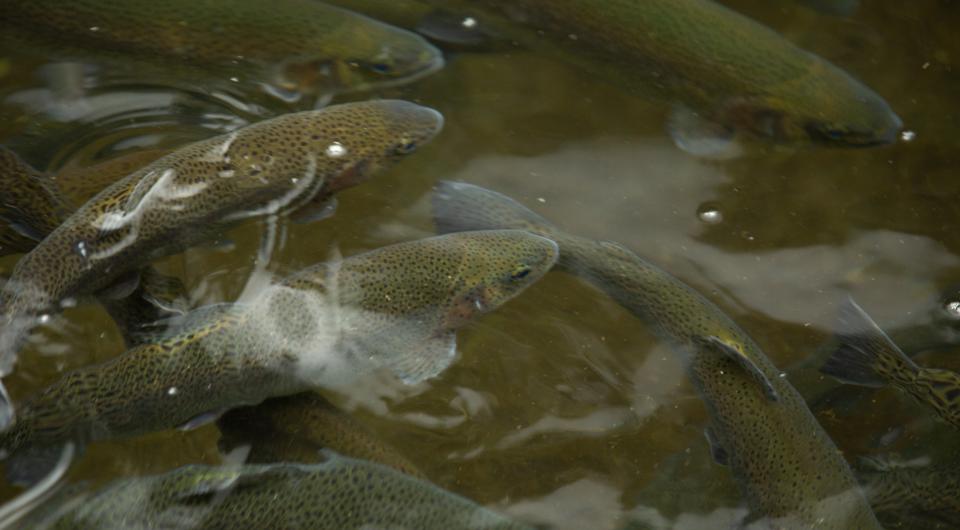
(299, 45)
(295, 429)
(268, 168)
(789, 470)
(865, 355)
(699, 53)
(30, 199)
(339, 494)
(322, 327)
(915, 497)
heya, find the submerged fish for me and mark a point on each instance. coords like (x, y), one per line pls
(292, 162)
(296, 428)
(922, 498)
(396, 308)
(340, 494)
(31, 206)
(284, 46)
(866, 356)
(788, 468)
(724, 70)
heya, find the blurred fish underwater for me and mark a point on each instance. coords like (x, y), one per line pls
(212, 315)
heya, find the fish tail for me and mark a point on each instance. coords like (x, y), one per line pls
(462, 207)
(864, 355)
(941, 390)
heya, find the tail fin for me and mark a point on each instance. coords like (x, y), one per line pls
(31, 208)
(864, 354)
(462, 207)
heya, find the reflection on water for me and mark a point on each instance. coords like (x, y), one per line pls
(561, 409)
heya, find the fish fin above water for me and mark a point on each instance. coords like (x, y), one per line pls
(122, 288)
(736, 355)
(863, 350)
(199, 421)
(425, 360)
(457, 29)
(30, 464)
(701, 137)
(719, 454)
(461, 207)
(313, 212)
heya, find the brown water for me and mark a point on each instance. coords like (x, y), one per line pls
(562, 408)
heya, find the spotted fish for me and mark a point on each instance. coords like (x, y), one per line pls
(921, 497)
(724, 73)
(296, 428)
(339, 494)
(288, 47)
(292, 162)
(788, 468)
(31, 207)
(395, 308)
(866, 356)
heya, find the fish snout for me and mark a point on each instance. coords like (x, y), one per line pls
(410, 124)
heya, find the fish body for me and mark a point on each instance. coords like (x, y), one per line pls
(395, 308)
(296, 428)
(339, 494)
(866, 356)
(921, 497)
(288, 46)
(789, 469)
(270, 168)
(31, 207)
(723, 67)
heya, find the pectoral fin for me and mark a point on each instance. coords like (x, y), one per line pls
(311, 213)
(719, 454)
(700, 136)
(736, 355)
(425, 360)
(201, 420)
(122, 288)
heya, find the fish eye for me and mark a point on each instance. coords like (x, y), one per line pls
(835, 134)
(520, 272)
(406, 147)
(381, 68)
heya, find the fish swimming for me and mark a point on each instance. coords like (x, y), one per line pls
(339, 494)
(290, 163)
(788, 468)
(722, 71)
(285, 47)
(866, 356)
(31, 207)
(921, 497)
(296, 428)
(395, 308)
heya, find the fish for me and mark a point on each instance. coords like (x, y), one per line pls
(396, 308)
(903, 495)
(341, 493)
(292, 163)
(296, 428)
(723, 74)
(866, 356)
(285, 48)
(788, 469)
(31, 208)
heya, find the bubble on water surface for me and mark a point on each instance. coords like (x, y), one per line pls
(710, 213)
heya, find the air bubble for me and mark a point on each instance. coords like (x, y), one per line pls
(709, 213)
(908, 136)
(336, 150)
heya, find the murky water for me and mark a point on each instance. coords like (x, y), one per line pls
(562, 409)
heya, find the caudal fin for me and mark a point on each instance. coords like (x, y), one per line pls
(462, 207)
(864, 354)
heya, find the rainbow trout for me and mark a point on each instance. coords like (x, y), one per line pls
(720, 68)
(292, 162)
(866, 356)
(921, 498)
(296, 428)
(789, 470)
(31, 208)
(395, 308)
(284, 46)
(339, 494)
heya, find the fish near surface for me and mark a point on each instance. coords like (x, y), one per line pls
(273, 167)
(296, 428)
(395, 308)
(788, 468)
(339, 494)
(285, 46)
(723, 69)
(31, 206)
(866, 356)
(924, 497)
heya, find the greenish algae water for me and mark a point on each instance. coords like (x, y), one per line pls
(562, 409)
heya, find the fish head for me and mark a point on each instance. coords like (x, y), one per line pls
(495, 266)
(400, 59)
(373, 135)
(827, 107)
